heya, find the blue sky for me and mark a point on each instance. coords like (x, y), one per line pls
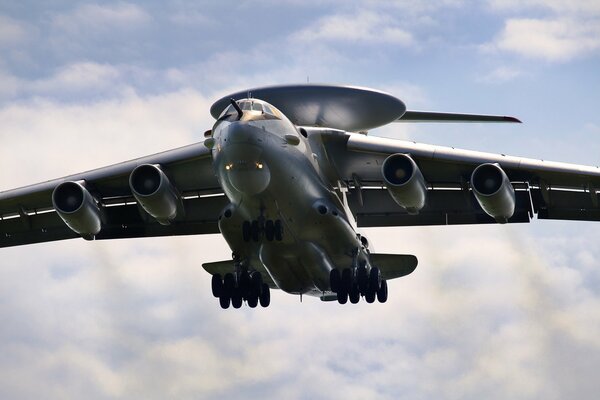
(492, 312)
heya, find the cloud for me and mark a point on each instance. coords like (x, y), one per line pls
(90, 16)
(555, 40)
(580, 7)
(501, 74)
(12, 31)
(96, 133)
(364, 27)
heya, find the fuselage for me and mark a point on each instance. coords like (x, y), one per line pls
(272, 178)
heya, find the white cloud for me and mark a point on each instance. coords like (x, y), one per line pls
(501, 74)
(364, 27)
(91, 135)
(582, 7)
(12, 31)
(90, 16)
(557, 40)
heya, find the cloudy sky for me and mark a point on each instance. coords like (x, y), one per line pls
(492, 312)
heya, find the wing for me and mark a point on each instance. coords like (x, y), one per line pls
(27, 214)
(551, 190)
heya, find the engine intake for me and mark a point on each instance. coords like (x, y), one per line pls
(404, 182)
(154, 192)
(493, 191)
(77, 208)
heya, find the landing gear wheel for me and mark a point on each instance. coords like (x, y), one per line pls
(216, 285)
(342, 295)
(244, 284)
(252, 300)
(335, 279)
(370, 296)
(224, 301)
(246, 231)
(254, 230)
(382, 293)
(374, 279)
(346, 283)
(270, 230)
(278, 230)
(236, 298)
(228, 284)
(265, 296)
(354, 294)
(254, 289)
(362, 278)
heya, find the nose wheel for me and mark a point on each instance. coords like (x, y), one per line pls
(271, 230)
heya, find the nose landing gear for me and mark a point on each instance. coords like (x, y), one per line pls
(269, 229)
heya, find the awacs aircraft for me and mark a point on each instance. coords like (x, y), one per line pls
(287, 175)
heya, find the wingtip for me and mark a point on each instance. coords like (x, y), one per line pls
(513, 119)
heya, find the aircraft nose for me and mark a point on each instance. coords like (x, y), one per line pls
(244, 164)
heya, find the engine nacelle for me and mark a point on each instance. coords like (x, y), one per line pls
(493, 191)
(404, 182)
(77, 208)
(154, 192)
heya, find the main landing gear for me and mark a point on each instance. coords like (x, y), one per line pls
(234, 289)
(352, 283)
(270, 229)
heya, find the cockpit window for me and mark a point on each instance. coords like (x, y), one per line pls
(266, 111)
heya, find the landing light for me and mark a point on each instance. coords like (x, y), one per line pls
(259, 165)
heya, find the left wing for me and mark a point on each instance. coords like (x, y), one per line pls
(27, 214)
(552, 190)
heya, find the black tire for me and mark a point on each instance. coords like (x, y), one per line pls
(342, 295)
(265, 296)
(244, 284)
(253, 300)
(256, 282)
(224, 301)
(270, 230)
(278, 227)
(228, 284)
(382, 293)
(255, 231)
(335, 279)
(246, 231)
(346, 282)
(354, 294)
(236, 301)
(374, 279)
(362, 278)
(216, 285)
(370, 296)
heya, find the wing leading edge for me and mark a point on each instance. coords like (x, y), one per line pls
(27, 214)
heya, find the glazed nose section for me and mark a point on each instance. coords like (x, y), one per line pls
(245, 167)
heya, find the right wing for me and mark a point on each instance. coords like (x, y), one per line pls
(552, 190)
(27, 215)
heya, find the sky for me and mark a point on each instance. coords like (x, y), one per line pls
(491, 312)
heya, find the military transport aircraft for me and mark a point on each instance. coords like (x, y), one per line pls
(287, 175)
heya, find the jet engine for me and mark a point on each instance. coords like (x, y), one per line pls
(404, 182)
(493, 191)
(154, 192)
(77, 208)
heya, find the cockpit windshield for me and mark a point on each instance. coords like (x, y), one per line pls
(256, 108)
